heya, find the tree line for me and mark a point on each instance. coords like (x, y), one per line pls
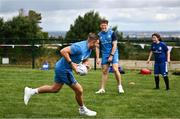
(25, 29)
(21, 29)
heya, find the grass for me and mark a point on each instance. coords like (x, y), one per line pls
(139, 100)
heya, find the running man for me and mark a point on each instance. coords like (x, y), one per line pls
(71, 56)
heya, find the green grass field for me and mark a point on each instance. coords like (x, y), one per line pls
(139, 100)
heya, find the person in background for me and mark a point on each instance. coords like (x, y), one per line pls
(109, 51)
(45, 66)
(161, 57)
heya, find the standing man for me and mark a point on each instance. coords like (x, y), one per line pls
(71, 56)
(109, 51)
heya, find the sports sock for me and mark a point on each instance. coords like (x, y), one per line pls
(82, 107)
(119, 85)
(35, 91)
(166, 80)
(157, 81)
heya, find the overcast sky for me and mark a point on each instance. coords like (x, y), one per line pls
(128, 15)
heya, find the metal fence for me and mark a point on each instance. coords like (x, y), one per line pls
(37, 52)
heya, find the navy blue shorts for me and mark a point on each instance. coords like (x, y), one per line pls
(64, 77)
(161, 68)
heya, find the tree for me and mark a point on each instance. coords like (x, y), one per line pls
(83, 25)
(23, 29)
(119, 34)
(1, 30)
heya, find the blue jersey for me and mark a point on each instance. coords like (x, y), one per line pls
(79, 52)
(106, 39)
(160, 52)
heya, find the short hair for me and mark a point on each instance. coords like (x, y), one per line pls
(93, 36)
(157, 35)
(104, 21)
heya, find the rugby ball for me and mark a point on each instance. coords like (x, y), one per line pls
(145, 71)
(82, 69)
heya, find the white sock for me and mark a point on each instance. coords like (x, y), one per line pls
(82, 107)
(35, 91)
(120, 85)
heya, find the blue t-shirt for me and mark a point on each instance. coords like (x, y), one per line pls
(160, 52)
(106, 39)
(79, 52)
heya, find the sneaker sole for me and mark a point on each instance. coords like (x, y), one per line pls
(25, 95)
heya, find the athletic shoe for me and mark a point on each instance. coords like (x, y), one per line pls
(27, 95)
(86, 112)
(120, 89)
(100, 91)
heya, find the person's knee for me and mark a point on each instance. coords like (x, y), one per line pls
(79, 91)
(105, 71)
(55, 89)
(115, 69)
(165, 76)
